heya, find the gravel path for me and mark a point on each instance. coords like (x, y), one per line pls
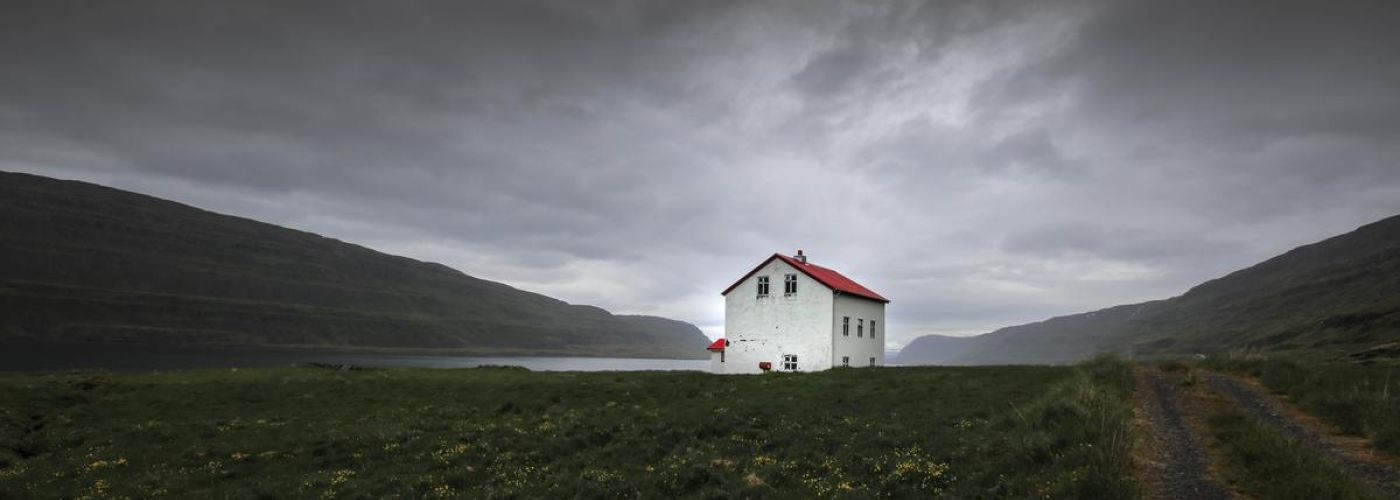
(1180, 467)
(1256, 400)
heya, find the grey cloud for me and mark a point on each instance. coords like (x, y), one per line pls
(1368, 124)
(1124, 244)
(1032, 149)
(832, 72)
(981, 163)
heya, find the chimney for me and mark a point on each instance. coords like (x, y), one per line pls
(801, 258)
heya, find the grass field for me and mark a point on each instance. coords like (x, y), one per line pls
(499, 432)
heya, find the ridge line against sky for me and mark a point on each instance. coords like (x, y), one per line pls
(980, 163)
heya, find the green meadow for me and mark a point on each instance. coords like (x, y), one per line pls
(1022, 431)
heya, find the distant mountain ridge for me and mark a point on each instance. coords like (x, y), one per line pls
(82, 262)
(933, 350)
(1342, 293)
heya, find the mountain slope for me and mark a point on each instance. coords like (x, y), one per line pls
(1340, 293)
(85, 262)
(934, 350)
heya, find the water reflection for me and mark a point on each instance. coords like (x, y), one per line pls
(26, 356)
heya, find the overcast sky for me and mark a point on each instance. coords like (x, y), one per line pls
(981, 163)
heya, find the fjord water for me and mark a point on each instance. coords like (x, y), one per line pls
(30, 356)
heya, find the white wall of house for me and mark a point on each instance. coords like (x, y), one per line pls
(717, 361)
(766, 328)
(863, 342)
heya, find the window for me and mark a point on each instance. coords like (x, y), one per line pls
(872, 328)
(872, 361)
(860, 327)
(790, 284)
(846, 326)
(846, 361)
(762, 286)
(790, 362)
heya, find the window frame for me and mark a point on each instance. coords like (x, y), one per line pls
(763, 286)
(860, 327)
(872, 329)
(845, 326)
(790, 363)
(790, 284)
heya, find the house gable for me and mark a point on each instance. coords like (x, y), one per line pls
(827, 277)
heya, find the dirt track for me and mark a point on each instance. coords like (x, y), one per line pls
(1173, 461)
(1174, 464)
(1352, 453)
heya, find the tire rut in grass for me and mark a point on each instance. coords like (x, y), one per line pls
(1180, 468)
(1361, 462)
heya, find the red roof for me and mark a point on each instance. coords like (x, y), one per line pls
(832, 279)
(717, 345)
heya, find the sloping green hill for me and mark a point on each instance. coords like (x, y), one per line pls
(85, 262)
(1342, 293)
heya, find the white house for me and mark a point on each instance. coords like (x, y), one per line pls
(791, 315)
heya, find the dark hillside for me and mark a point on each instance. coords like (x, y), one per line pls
(85, 262)
(935, 350)
(1342, 293)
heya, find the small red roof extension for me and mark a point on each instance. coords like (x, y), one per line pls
(717, 345)
(828, 277)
